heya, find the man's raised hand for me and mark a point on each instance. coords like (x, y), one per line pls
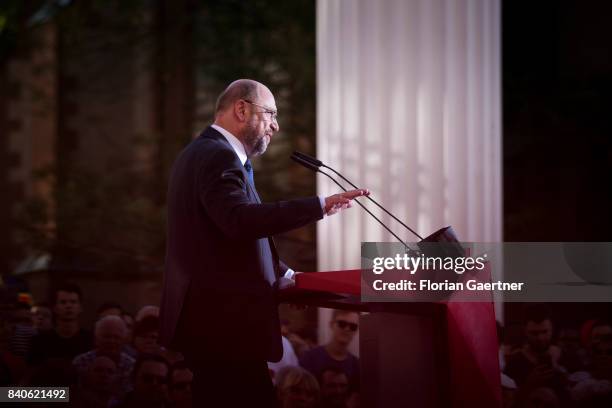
(342, 201)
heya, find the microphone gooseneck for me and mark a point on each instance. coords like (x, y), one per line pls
(309, 165)
(316, 164)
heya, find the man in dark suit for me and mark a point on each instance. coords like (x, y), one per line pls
(222, 269)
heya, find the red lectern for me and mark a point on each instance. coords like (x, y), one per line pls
(437, 354)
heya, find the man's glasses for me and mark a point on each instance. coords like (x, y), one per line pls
(273, 115)
(343, 324)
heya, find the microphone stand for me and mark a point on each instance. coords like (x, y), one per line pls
(314, 168)
(318, 163)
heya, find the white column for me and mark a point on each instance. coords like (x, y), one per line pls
(409, 106)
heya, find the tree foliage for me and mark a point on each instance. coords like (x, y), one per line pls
(112, 216)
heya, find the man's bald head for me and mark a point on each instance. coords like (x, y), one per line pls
(110, 323)
(240, 89)
(110, 336)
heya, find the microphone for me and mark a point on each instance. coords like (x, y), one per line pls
(316, 163)
(305, 163)
(311, 166)
(311, 159)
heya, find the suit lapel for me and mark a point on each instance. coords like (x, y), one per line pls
(252, 193)
(212, 133)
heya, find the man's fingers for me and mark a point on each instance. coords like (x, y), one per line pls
(356, 193)
(342, 201)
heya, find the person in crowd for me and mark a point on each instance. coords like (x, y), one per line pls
(42, 317)
(146, 335)
(537, 362)
(601, 331)
(67, 339)
(145, 340)
(296, 388)
(24, 330)
(148, 310)
(149, 380)
(98, 386)
(289, 359)
(508, 386)
(344, 325)
(302, 340)
(334, 385)
(573, 355)
(110, 335)
(593, 386)
(11, 366)
(179, 385)
(109, 309)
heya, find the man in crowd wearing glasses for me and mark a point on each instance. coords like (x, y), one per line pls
(335, 354)
(222, 268)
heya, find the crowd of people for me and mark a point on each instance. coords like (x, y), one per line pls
(566, 368)
(120, 364)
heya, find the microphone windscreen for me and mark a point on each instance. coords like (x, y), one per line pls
(304, 163)
(308, 158)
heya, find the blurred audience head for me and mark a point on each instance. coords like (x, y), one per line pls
(145, 311)
(42, 317)
(145, 335)
(109, 309)
(344, 325)
(150, 378)
(179, 385)
(101, 375)
(110, 336)
(334, 385)
(538, 327)
(569, 338)
(67, 300)
(296, 388)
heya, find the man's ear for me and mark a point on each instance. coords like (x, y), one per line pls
(240, 110)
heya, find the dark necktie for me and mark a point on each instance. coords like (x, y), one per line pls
(249, 168)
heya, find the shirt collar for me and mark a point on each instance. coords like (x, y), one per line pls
(234, 142)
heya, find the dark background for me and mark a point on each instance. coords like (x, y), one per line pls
(557, 132)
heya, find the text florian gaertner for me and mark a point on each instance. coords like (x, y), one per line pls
(422, 264)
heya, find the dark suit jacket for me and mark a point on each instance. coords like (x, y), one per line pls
(218, 294)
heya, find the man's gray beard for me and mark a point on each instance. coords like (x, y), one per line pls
(257, 145)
